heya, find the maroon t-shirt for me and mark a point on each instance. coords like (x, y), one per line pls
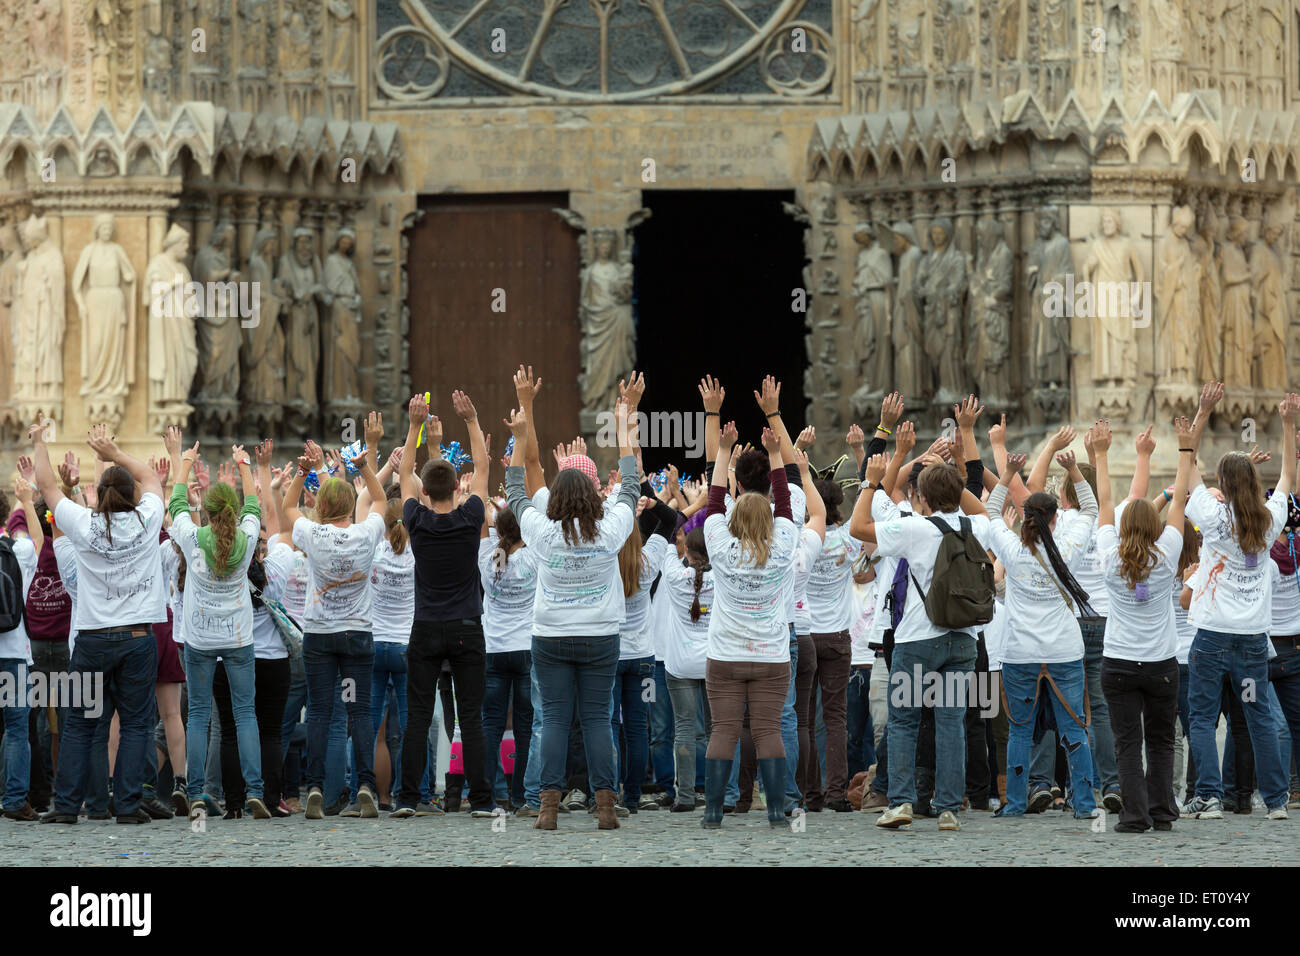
(49, 608)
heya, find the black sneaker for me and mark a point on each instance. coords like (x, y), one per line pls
(1040, 798)
(1163, 825)
(138, 817)
(55, 817)
(840, 806)
(1112, 801)
(180, 802)
(156, 809)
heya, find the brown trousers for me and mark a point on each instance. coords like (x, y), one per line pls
(732, 684)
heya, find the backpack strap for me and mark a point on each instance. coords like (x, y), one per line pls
(1052, 577)
(1087, 708)
(944, 528)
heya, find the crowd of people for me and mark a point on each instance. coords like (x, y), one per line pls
(326, 636)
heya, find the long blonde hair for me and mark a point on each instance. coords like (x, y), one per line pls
(751, 524)
(335, 501)
(1139, 529)
(1248, 519)
(631, 561)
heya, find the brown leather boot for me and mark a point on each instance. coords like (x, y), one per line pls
(606, 818)
(547, 817)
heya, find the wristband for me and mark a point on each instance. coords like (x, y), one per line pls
(882, 428)
(1168, 496)
(707, 414)
(774, 415)
(1192, 450)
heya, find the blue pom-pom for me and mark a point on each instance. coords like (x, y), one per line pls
(350, 452)
(510, 447)
(312, 481)
(455, 455)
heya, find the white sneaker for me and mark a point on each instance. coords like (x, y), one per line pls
(1278, 814)
(895, 817)
(948, 821)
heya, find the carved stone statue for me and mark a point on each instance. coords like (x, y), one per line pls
(342, 26)
(103, 287)
(343, 330)
(1056, 25)
(952, 26)
(906, 331)
(41, 323)
(1049, 262)
(262, 357)
(871, 333)
(940, 292)
(99, 16)
(173, 354)
(1210, 355)
(911, 32)
(297, 36)
(608, 332)
(1113, 267)
(865, 26)
(300, 283)
(12, 251)
(991, 303)
(1178, 299)
(217, 385)
(1267, 277)
(255, 33)
(1233, 270)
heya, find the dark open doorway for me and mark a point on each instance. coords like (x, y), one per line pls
(715, 275)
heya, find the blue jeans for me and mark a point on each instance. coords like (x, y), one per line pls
(1244, 659)
(331, 656)
(862, 747)
(1101, 739)
(1021, 684)
(661, 732)
(1284, 676)
(508, 686)
(633, 688)
(533, 772)
(576, 672)
(389, 667)
(17, 748)
(953, 653)
(199, 668)
(128, 662)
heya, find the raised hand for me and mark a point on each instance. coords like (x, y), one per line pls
(771, 443)
(518, 425)
(1063, 438)
(891, 409)
(201, 474)
(800, 458)
(314, 455)
(374, 429)
(632, 392)
(957, 448)
(1257, 455)
(1185, 432)
(1066, 460)
(23, 491)
(1014, 464)
(1100, 435)
(526, 387)
(728, 437)
(265, 448)
(26, 469)
(395, 457)
(463, 406)
(998, 432)
(854, 438)
(712, 393)
(172, 440)
(417, 410)
(877, 465)
(769, 396)
(1145, 443)
(967, 412)
(1211, 394)
(1289, 408)
(163, 469)
(807, 438)
(101, 442)
(433, 431)
(904, 438)
(238, 455)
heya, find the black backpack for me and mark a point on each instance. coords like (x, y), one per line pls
(961, 591)
(12, 599)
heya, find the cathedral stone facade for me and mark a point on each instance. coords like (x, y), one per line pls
(1076, 208)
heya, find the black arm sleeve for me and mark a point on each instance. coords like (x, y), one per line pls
(975, 477)
(874, 447)
(657, 518)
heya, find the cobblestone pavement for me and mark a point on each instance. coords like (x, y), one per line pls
(652, 839)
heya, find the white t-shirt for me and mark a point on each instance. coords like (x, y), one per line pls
(1285, 603)
(1091, 576)
(268, 644)
(579, 590)
(862, 627)
(1140, 626)
(810, 545)
(995, 634)
(171, 563)
(917, 540)
(123, 580)
(65, 556)
(14, 645)
(392, 586)
(297, 579)
(508, 599)
(751, 616)
(798, 513)
(1231, 591)
(635, 640)
(1041, 627)
(219, 613)
(830, 583)
(1186, 632)
(686, 642)
(339, 561)
(659, 611)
